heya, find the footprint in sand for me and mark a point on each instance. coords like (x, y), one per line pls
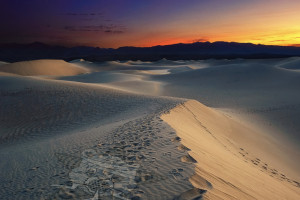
(106, 176)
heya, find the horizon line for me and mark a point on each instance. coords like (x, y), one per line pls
(185, 43)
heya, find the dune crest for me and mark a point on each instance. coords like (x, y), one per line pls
(228, 168)
(43, 67)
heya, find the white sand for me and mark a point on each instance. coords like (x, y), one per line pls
(43, 67)
(73, 136)
(229, 156)
(48, 125)
(255, 90)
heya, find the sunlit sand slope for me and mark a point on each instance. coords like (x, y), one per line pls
(229, 157)
(260, 93)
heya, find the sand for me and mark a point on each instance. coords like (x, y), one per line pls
(259, 93)
(137, 130)
(70, 139)
(43, 67)
(226, 153)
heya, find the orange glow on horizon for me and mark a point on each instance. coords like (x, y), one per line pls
(279, 40)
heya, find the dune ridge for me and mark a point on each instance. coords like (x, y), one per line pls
(245, 88)
(228, 166)
(43, 67)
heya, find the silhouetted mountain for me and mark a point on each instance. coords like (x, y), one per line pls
(198, 50)
(20, 52)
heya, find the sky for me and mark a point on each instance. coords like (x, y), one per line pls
(116, 23)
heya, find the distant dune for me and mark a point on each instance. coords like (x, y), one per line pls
(180, 69)
(43, 67)
(291, 63)
(7, 74)
(3, 63)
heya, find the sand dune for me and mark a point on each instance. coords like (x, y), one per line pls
(7, 74)
(132, 76)
(229, 156)
(34, 106)
(180, 69)
(115, 66)
(262, 93)
(235, 76)
(3, 63)
(100, 135)
(291, 63)
(56, 133)
(243, 88)
(135, 81)
(139, 65)
(43, 67)
(234, 85)
(101, 77)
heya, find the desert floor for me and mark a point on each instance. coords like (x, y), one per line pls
(211, 129)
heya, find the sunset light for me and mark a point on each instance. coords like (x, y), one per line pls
(148, 23)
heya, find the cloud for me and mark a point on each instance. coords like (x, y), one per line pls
(295, 45)
(199, 40)
(278, 41)
(112, 28)
(83, 14)
(114, 32)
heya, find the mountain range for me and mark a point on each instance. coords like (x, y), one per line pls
(198, 50)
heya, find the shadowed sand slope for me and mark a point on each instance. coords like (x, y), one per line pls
(43, 67)
(67, 140)
(291, 63)
(230, 157)
(32, 107)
